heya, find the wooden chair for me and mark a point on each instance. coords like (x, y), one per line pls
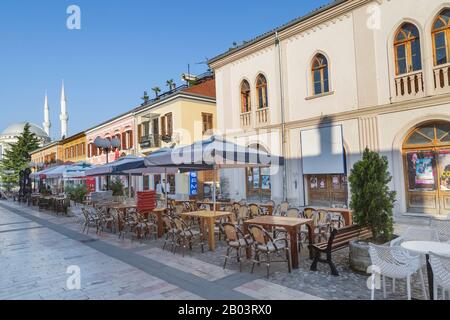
(266, 245)
(243, 215)
(292, 213)
(236, 240)
(255, 210)
(90, 220)
(171, 231)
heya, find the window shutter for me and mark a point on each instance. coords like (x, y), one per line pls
(139, 131)
(124, 141)
(163, 126)
(130, 137)
(169, 125)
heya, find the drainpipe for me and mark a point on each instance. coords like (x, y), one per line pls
(283, 119)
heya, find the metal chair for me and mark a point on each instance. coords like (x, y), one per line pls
(265, 244)
(170, 230)
(185, 236)
(236, 240)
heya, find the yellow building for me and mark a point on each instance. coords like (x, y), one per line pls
(179, 117)
(74, 148)
(49, 154)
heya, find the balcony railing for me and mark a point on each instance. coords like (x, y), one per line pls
(151, 141)
(442, 78)
(262, 115)
(409, 86)
(246, 119)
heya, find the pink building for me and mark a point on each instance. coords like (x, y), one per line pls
(121, 127)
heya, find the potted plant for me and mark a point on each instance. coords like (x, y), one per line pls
(117, 188)
(372, 203)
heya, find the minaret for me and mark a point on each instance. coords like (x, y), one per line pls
(47, 124)
(63, 116)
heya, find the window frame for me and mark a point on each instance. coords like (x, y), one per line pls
(446, 30)
(263, 87)
(407, 43)
(321, 68)
(246, 104)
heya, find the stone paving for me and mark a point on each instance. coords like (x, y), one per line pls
(37, 247)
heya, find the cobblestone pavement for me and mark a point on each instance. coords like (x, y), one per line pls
(36, 248)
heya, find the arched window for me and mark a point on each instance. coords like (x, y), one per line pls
(407, 49)
(245, 97)
(320, 74)
(441, 36)
(261, 91)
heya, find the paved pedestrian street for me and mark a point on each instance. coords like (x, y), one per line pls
(40, 251)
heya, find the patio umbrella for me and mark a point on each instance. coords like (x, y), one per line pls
(43, 174)
(212, 154)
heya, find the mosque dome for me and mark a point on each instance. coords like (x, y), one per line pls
(16, 129)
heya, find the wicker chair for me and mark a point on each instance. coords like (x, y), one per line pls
(396, 263)
(255, 210)
(171, 232)
(243, 215)
(105, 220)
(441, 273)
(127, 224)
(266, 245)
(90, 220)
(284, 206)
(236, 240)
(186, 236)
(292, 213)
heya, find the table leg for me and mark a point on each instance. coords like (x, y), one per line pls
(430, 278)
(294, 247)
(211, 239)
(160, 224)
(310, 239)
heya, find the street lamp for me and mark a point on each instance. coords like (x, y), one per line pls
(107, 146)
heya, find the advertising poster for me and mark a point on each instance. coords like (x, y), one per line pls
(444, 169)
(313, 183)
(336, 182)
(421, 170)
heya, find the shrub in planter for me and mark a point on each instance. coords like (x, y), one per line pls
(77, 193)
(117, 188)
(372, 203)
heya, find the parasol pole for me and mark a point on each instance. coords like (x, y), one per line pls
(129, 186)
(214, 189)
(165, 187)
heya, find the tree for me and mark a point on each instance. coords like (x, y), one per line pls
(171, 84)
(372, 201)
(17, 157)
(156, 90)
(145, 97)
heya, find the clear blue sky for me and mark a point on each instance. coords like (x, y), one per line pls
(123, 48)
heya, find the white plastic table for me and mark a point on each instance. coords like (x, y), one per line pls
(425, 247)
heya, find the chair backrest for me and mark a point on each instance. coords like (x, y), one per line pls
(243, 213)
(272, 203)
(308, 212)
(388, 259)
(443, 228)
(293, 213)
(259, 235)
(441, 269)
(284, 206)
(230, 231)
(168, 223)
(254, 210)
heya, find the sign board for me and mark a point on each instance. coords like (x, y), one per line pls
(193, 184)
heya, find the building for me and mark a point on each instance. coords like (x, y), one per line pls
(179, 117)
(48, 155)
(350, 75)
(74, 148)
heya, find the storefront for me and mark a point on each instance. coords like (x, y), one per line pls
(426, 154)
(258, 184)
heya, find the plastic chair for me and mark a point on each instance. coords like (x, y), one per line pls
(396, 263)
(441, 273)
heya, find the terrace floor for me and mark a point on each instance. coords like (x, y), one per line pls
(37, 248)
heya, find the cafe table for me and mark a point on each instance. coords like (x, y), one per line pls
(425, 247)
(346, 214)
(292, 226)
(208, 222)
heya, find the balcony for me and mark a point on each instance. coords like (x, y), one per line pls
(442, 78)
(262, 116)
(150, 141)
(409, 86)
(246, 119)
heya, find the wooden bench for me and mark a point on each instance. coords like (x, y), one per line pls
(339, 239)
